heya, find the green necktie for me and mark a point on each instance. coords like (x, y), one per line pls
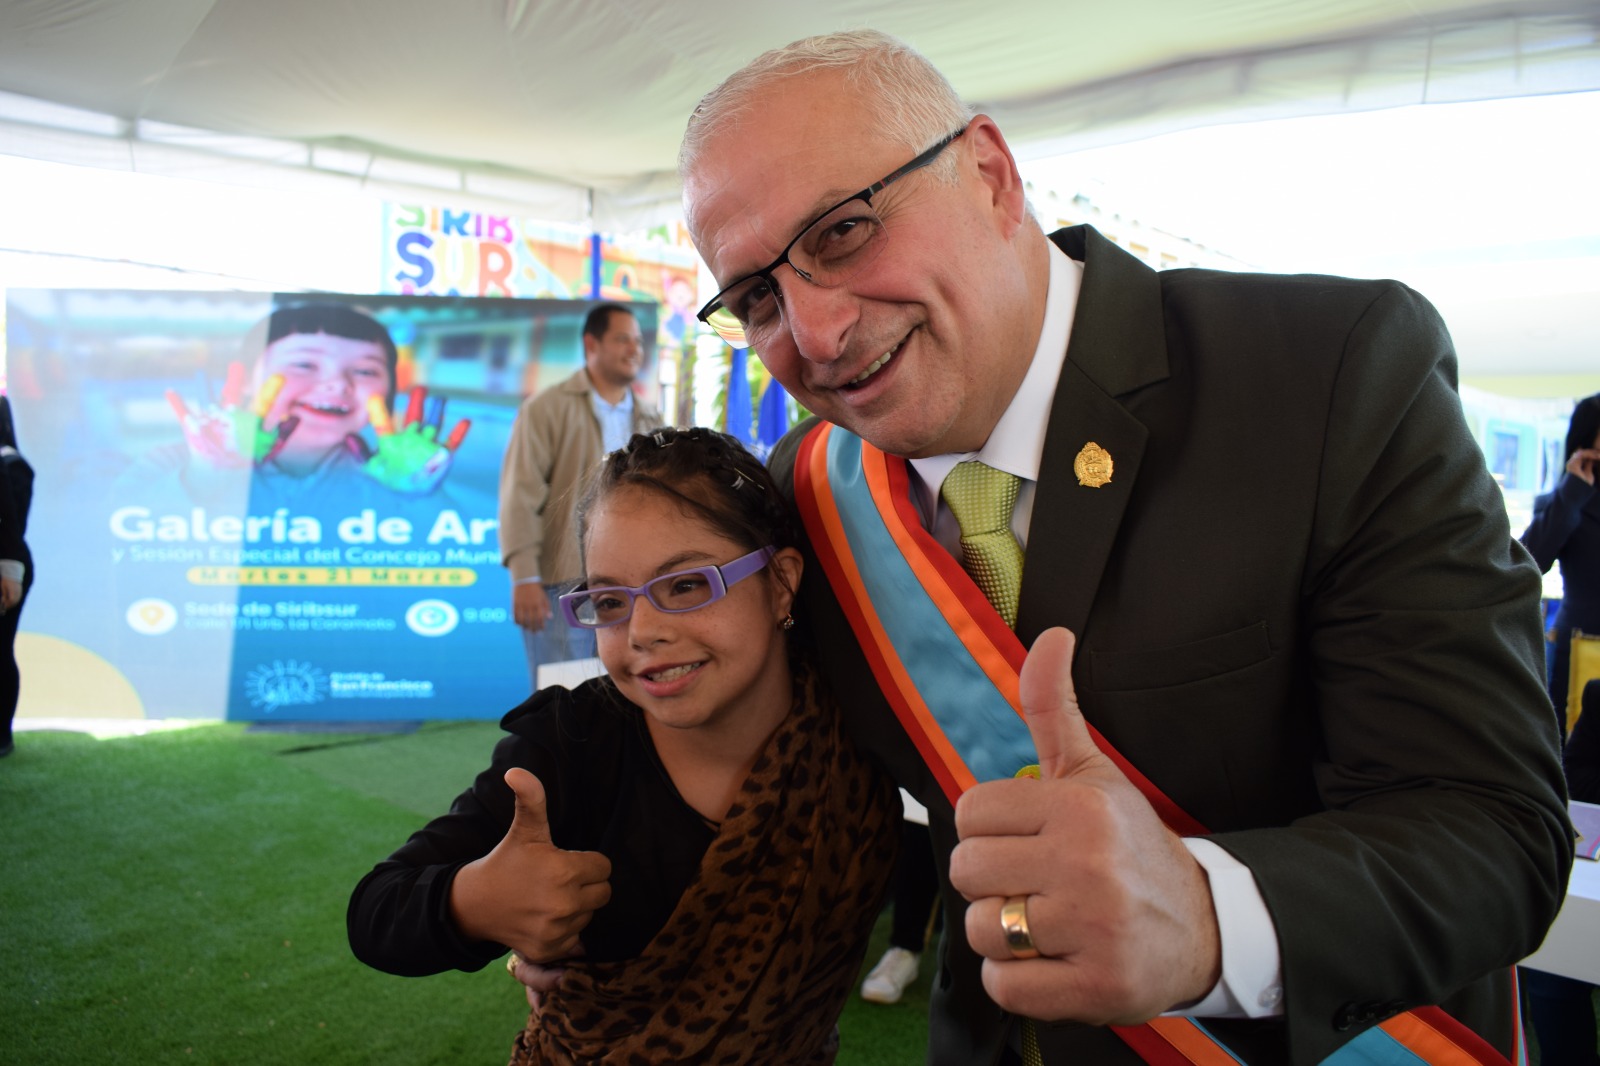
(1031, 1055)
(982, 499)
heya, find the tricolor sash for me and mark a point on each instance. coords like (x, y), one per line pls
(949, 667)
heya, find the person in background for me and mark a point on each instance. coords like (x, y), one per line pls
(1566, 530)
(687, 855)
(16, 566)
(915, 917)
(1234, 523)
(556, 445)
(1581, 757)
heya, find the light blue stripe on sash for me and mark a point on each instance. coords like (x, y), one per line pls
(1375, 1048)
(1372, 1048)
(1220, 1045)
(990, 737)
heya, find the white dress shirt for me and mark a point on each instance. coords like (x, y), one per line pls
(1252, 983)
(616, 420)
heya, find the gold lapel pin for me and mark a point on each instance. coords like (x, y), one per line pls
(1093, 466)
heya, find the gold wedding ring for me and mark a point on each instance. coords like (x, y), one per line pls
(511, 964)
(1014, 921)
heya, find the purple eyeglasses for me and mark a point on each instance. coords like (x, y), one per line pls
(674, 593)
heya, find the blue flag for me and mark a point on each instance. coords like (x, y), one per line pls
(738, 424)
(774, 417)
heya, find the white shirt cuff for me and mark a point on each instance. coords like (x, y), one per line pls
(1252, 969)
(15, 569)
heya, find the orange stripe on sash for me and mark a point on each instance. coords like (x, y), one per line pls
(1438, 1038)
(819, 511)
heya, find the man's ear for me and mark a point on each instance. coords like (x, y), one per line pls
(998, 172)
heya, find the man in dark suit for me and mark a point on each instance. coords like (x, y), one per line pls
(1298, 609)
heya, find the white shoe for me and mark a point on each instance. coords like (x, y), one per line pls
(889, 979)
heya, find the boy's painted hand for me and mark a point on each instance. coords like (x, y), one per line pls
(230, 435)
(410, 457)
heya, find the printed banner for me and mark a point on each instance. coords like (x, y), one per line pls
(277, 506)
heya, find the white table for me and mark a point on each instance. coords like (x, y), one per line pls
(569, 673)
(1572, 947)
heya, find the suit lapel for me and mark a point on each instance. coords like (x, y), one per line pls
(1117, 346)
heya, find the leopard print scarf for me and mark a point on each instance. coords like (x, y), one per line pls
(756, 962)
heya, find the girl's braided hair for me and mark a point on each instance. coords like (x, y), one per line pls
(709, 474)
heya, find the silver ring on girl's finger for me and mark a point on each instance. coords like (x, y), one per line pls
(1014, 922)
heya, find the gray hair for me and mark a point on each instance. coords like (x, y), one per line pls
(902, 93)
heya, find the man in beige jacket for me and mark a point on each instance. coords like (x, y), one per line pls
(557, 441)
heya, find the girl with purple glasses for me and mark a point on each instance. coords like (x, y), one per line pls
(686, 856)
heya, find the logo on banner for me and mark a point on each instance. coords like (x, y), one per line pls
(279, 684)
(151, 616)
(432, 618)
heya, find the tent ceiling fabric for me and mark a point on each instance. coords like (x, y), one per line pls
(573, 109)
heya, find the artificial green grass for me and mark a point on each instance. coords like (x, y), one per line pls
(180, 897)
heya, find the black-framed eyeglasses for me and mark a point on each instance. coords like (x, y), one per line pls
(832, 249)
(674, 593)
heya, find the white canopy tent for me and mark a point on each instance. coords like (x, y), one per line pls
(573, 109)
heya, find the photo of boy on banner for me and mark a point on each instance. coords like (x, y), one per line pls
(326, 372)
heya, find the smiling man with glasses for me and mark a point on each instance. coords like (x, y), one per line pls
(1321, 813)
(830, 251)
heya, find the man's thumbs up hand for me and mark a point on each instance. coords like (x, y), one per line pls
(1118, 909)
(1050, 707)
(527, 893)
